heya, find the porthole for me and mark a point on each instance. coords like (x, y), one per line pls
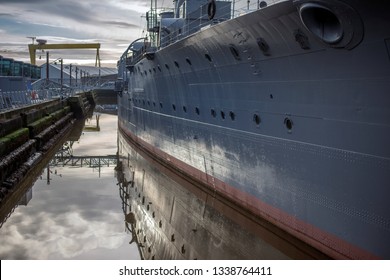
(185, 109)
(256, 119)
(188, 61)
(159, 68)
(263, 45)
(288, 123)
(174, 107)
(197, 110)
(232, 115)
(223, 115)
(208, 57)
(262, 4)
(161, 105)
(234, 52)
(167, 66)
(177, 64)
(213, 113)
(302, 39)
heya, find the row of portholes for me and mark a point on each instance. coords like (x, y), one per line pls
(213, 112)
(160, 224)
(207, 56)
(262, 44)
(232, 48)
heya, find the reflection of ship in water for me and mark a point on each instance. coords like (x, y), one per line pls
(130, 218)
(171, 218)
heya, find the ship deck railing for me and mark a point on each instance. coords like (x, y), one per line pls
(238, 8)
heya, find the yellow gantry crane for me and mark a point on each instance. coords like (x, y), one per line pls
(43, 46)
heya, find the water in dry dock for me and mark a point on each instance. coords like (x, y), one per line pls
(72, 212)
(76, 209)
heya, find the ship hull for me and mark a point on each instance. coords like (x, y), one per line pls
(287, 126)
(176, 217)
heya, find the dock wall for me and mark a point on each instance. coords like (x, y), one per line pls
(28, 134)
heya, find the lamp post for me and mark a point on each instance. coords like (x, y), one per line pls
(70, 75)
(62, 73)
(81, 77)
(47, 66)
(76, 75)
(62, 70)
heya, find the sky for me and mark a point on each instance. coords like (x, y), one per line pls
(112, 23)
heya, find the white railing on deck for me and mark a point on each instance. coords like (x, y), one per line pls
(238, 8)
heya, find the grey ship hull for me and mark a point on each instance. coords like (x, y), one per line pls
(290, 127)
(176, 220)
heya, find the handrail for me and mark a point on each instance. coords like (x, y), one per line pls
(238, 8)
(189, 27)
(129, 48)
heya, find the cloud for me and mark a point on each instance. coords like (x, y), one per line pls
(24, 1)
(112, 23)
(78, 216)
(66, 220)
(6, 15)
(120, 24)
(60, 236)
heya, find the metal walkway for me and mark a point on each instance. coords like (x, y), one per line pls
(84, 161)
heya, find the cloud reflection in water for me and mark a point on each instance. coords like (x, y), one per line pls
(77, 216)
